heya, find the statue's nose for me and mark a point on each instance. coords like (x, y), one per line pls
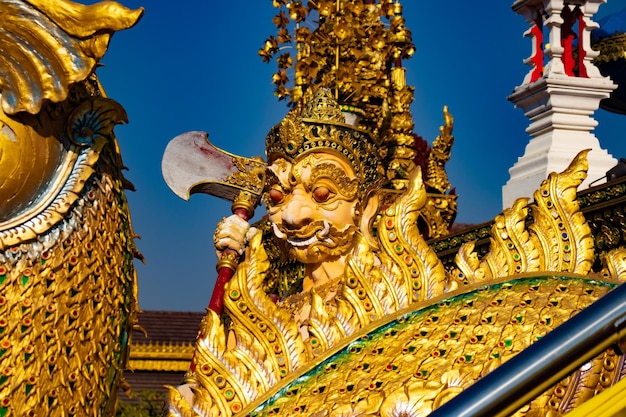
(299, 211)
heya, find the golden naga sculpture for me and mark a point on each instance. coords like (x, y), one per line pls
(337, 304)
(67, 283)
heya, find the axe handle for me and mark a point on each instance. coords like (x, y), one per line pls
(217, 299)
(225, 273)
(243, 206)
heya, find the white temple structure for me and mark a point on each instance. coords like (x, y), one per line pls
(559, 94)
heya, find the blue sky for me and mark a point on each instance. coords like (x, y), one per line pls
(191, 65)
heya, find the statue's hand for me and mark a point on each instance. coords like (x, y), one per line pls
(232, 233)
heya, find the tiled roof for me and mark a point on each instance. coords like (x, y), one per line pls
(168, 326)
(169, 344)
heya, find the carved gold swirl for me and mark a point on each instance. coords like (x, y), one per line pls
(347, 187)
(612, 48)
(614, 264)
(250, 174)
(264, 342)
(438, 213)
(70, 38)
(73, 171)
(363, 285)
(178, 403)
(561, 228)
(573, 391)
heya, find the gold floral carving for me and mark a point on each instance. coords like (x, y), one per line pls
(250, 174)
(614, 264)
(611, 48)
(347, 187)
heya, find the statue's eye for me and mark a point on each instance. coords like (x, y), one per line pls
(276, 195)
(321, 194)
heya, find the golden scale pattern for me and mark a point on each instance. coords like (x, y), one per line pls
(429, 355)
(68, 312)
(268, 355)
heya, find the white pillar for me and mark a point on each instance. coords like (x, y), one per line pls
(558, 100)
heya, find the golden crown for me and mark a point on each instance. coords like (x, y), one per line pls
(322, 127)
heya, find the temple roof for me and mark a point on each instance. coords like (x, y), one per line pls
(169, 343)
(171, 326)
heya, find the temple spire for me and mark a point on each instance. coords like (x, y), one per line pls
(559, 94)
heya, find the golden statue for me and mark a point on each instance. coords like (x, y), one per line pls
(367, 270)
(337, 304)
(67, 282)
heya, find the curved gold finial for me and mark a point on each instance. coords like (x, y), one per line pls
(69, 38)
(440, 154)
(404, 246)
(558, 220)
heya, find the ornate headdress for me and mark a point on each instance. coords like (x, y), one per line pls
(322, 127)
(356, 49)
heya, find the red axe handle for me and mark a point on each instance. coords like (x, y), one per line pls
(226, 267)
(243, 206)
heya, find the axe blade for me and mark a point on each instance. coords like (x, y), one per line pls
(191, 164)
